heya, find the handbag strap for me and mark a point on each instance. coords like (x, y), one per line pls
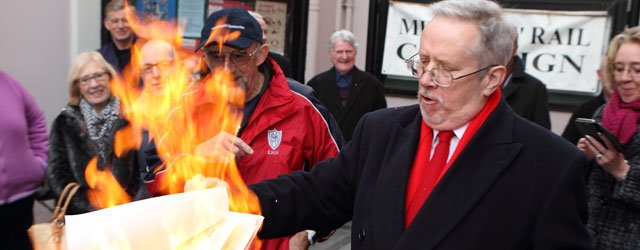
(64, 200)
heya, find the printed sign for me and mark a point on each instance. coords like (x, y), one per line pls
(275, 15)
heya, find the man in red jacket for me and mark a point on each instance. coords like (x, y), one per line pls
(283, 129)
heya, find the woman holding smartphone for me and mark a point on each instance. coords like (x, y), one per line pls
(614, 181)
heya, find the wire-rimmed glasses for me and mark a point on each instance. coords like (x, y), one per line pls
(441, 77)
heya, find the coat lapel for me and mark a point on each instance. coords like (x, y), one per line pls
(469, 178)
(510, 88)
(389, 193)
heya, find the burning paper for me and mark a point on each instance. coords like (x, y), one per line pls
(179, 113)
(193, 220)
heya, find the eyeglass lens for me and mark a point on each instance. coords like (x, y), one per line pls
(98, 76)
(239, 58)
(439, 76)
(162, 66)
(620, 69)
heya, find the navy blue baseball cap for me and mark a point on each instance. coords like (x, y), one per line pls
(237, 20)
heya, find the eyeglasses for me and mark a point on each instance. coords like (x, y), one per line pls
(239, 58)
(98, 76)
(620, 69)
(147, 68)
(440, 77)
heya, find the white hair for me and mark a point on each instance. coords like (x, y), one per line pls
(495, 45)
(343, 35)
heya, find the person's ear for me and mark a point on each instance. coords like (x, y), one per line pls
(263, 52)
(106, 24)
(494, 79)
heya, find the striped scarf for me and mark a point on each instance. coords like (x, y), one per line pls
(102, 126)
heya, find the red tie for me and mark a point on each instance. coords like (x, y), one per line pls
(429, 178)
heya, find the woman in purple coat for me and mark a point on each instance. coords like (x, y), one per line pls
(23, 157)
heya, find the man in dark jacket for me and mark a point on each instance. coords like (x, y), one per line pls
(282, 61)
(347, 91)
(507, 184)
(117, 51)
(526, 95)
(588, 108)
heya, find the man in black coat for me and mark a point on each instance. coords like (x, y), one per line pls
(527, 95)
(508, 184)
(347, 91)
(282, 61)
(588, 108)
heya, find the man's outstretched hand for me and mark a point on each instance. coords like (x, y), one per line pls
(219, 147)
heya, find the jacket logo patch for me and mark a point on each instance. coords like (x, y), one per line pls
(274, 137)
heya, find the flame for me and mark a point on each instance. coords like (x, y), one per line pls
(221, 35)
(186, 113)
(105, 191)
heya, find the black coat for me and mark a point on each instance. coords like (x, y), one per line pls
(614, 206)
(527, 96)
(366, 95)
(284, 63)
(70, 150)
(108, 51)
(584, 110)
(514, 186)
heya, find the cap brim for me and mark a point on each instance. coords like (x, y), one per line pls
(240, 43)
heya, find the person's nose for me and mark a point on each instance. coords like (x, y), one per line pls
(228, 64)
(93, 83)
(344, 55)
(155, 71)
(426, 79)
(626, 75)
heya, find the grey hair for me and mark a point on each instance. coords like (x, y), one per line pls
(496, 44)
(343, 35)
(255, 15)
(116, 5)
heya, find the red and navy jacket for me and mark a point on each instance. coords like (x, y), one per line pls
(286, 131)
(301, 129)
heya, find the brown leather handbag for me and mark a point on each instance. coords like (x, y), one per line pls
(50, 235)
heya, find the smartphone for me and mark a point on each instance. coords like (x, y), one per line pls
(591, 127)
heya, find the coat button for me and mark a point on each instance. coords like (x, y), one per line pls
(361, 235)
(604, 201)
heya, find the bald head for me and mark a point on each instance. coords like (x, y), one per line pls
(156, 50)
(262, 23)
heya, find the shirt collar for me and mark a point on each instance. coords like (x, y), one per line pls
(347, 75)
(457, 132)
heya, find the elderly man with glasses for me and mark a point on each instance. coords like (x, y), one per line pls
(459, 170)
(157, 58)
(282, 130)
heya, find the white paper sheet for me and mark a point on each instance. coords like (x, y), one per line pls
(164, 222)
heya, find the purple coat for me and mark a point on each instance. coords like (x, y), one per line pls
(23, 141)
